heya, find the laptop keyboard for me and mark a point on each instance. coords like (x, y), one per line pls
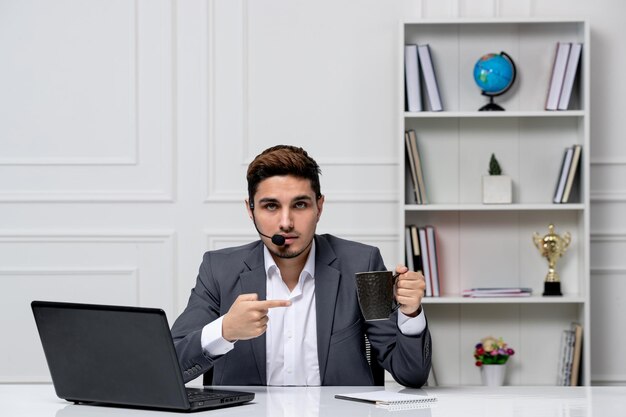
(201, 395)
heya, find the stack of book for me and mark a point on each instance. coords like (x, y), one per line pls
(569, 360)
(419, 68)
(567, 175)
(415, 167)
(421, 256)
(564, 72)
(497, 292)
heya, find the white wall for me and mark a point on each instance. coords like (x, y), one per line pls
(126, 127)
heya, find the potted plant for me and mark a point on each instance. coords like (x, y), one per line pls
(491, 356)
(497, 188)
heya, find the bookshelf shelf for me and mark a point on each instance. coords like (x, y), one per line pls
(492, 114)
(491, 245)
(494, 207)
(449, 299)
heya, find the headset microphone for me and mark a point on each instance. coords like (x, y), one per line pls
(276, 239)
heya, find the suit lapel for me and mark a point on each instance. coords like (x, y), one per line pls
(326, 286)
(254, 281)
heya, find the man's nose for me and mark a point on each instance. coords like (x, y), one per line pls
(286, 220)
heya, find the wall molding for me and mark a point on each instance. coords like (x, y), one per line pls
(163, 237)
(213, 194)
(608, 379)
(211, 236)
(619, 236)
(604, 196)
(330, 198)
(132, 273)
(607, 197)
(610, 271)
(167, 146)
(89, 196)
(86, 236)
(133, 157)
(607, 161)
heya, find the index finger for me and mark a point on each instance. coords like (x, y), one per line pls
(273, 303)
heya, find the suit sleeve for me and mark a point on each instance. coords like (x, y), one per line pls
(203, 308)
(407, 358)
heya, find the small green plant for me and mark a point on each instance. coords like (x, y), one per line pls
(494, 166)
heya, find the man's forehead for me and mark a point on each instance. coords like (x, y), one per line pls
(287, 185)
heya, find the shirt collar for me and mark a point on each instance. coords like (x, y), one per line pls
(309, 265)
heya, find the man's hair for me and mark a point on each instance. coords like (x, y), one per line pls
(282, 160)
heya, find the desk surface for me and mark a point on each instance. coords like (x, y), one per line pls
(39, 400)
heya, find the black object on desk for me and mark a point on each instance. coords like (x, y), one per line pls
(120, 356)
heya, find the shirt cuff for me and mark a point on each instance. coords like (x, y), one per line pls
(213, 344)
(412, 326)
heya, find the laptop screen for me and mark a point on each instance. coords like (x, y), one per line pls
(118, 355)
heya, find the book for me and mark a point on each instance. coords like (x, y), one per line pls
(426, 263)
(565, 359)
(571, 70)
(432, 257)
(389, 398)
(418, 262)
(497, 292)
(560, 381)
(412, 79)
(571, 173)
(408, 249)
(412, 169)
(558, 74)
(577, 350)
(560, 185)
(430, 79)
(418, 167)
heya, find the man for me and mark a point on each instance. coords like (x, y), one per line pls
(284, 310)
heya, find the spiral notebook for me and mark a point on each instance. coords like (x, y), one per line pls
(391, 399)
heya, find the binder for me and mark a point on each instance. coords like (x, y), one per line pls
(430, 79)
(571, 174)
(558, 74)
(560, 185)
(412, 79)
(570, 75)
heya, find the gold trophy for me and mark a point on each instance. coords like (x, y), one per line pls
(552, 247)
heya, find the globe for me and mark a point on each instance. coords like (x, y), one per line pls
(494, 74)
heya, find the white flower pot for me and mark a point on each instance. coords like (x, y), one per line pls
(492, 375)
(497, 189)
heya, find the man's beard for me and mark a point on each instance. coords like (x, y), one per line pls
(287, 254)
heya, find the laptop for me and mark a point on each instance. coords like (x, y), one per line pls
(117, 355)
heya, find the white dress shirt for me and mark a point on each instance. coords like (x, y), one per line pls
(291, 337)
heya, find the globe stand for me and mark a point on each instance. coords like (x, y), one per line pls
(491, 106)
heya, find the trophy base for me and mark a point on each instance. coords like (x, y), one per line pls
(552, 289)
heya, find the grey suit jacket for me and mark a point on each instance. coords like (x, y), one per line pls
(227, 273)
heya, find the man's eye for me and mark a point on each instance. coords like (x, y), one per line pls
(270, 206)
(301, 205)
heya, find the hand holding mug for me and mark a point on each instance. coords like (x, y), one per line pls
(409, 290)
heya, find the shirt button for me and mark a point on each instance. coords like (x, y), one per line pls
(288, 370)
(288, 335)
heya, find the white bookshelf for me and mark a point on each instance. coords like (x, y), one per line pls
(491, 245)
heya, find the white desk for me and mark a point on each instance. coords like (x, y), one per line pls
(40, 401)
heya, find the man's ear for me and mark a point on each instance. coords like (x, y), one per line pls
(249, 207)
(320, 206)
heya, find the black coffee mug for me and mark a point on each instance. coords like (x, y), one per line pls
(375, 291)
